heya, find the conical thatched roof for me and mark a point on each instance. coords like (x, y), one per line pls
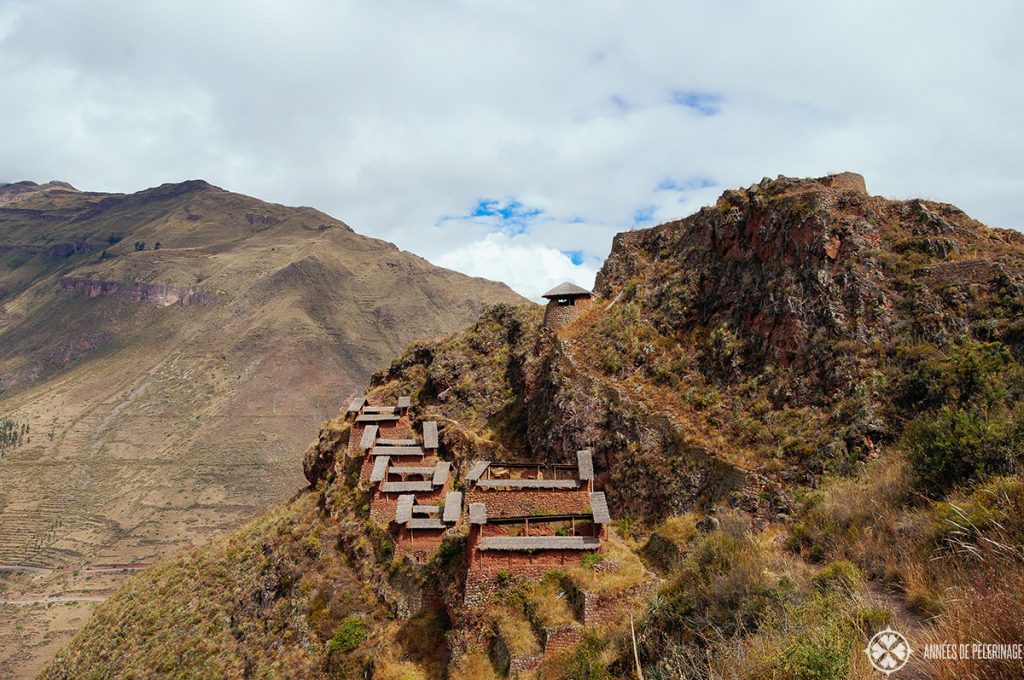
(565, 290)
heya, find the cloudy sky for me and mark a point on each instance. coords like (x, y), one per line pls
(512, 139)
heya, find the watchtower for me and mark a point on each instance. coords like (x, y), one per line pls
(565, 303)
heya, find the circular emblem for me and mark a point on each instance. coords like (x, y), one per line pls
(888, 651)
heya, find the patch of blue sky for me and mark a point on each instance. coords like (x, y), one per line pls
(512, 216)
(691, 184)
(575, 256)
(644, 215)
(704, 103)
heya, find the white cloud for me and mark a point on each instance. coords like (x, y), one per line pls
(393, 115)
(530, 268)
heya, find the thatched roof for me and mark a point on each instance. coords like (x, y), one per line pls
(441, 472)
(369, 436)
(479, 467)
(380, 467)
(403, 511)
(377, 417)
(599, 507)
(528, 543)
(528, 483)
(585, 463)
(406, 487)
(412, 470)
(477, 513)
(430, 434)
(396, 451)
(425, 523)
(566, 290)
(452, 506)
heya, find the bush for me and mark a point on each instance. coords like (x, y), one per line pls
(956, 446)
(350, 634)
(839, 577)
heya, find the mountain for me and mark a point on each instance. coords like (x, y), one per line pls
(169, 353)
(805, 406)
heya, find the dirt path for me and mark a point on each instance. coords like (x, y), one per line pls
(907, 622)
(24, 567)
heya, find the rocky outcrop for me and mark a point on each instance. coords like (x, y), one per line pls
(157, 294)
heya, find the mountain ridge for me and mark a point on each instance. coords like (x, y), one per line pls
(157, 422)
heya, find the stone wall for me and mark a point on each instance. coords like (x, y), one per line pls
(607, 608)
(495, 570)
(530, 501)
(560, 639)
(556, 316)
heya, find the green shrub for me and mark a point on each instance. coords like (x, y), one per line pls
(591, 560)
(350, 634)
(818, 657)
(839, 577)
(956, 446)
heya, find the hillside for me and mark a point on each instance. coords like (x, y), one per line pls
(169, 353)
(802, 404)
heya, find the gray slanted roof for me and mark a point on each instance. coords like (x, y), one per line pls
(585, 463)
(369, 435)
(539, 543)
(528, 483)
(406, 487)
(479, 467)
(397, 442)
(378, 409)
(430, 434)
(566, 290)
(477, 513)
(452, 506)
(380, 468)
(403, 511)
(396, 451)
(441, 472)
(356, 404)
(599, 507)
(412, 470)
(426, 509)
(404, 402)
(377, 417)
(425, 523)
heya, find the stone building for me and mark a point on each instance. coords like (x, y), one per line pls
(513, 489)
(565, 303)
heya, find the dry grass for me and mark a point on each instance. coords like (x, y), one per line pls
(619, 568)
(516, 631)
(987, 609)
(473, 665)
(548, 603)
